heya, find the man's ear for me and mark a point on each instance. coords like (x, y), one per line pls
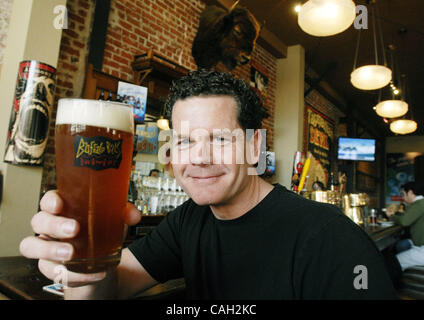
(254, 150)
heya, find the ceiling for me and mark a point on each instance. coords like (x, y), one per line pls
(332, 57)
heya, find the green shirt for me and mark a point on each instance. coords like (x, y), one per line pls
(413, 218)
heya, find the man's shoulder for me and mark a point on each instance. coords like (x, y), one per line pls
(293, 203)
(419, 203)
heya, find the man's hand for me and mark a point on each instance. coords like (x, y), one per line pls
(52, 228)
(391, 210)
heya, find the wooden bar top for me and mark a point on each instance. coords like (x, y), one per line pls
(20, 279)
(384, 236)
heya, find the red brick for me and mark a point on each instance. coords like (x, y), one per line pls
(70, 50)
(125, 25)
(75, 17)
(78, 44)
(127, 55)
(71, 33)
(110, 63)
(82, 13)
(119, 59)
(134, 22)
(84, 3)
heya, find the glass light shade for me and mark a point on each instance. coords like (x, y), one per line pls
(163, 124)
(403, 126)
(323, 18)
(371, 77)
(391, 108)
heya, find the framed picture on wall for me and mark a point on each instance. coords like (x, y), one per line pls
(318, 141)
(259, 79)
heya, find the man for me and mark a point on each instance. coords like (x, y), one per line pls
(413, 196)
(238, 237)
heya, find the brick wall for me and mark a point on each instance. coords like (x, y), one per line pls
(70, 72)
(135, 26)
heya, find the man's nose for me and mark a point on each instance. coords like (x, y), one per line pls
(201, 153)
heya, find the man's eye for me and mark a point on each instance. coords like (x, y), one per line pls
(183, 141)
(221, 140)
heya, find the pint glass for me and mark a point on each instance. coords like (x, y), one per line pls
(94, 144)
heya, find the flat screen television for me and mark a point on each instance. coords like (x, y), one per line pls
(356, 149)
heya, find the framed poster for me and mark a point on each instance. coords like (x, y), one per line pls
(259, 79)
(147, 138)
(135, 96)
(319, 136)
(400, 170)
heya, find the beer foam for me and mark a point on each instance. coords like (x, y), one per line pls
(98, 113)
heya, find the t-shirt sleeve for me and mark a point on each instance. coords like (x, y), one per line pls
(159, 251)
(340, 261)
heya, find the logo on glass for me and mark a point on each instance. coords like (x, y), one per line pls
(97, 153)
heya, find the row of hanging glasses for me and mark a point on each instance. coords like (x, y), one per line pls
(157, 195)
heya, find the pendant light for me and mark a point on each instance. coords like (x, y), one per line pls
(391, 108)
(323, 18)
(371, 77)
(395, 106)
(403, 126)
(163, 123)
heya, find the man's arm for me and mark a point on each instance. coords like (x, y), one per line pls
(122, 282)
(412, 214)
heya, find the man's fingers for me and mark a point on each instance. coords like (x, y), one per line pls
(131, 216)
(51, 202)
(59, 274)
(54, 226)
(36, 248)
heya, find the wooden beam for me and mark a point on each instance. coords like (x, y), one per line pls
(268, 40)
(98, 34)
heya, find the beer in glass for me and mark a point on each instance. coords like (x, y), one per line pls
(94, 145)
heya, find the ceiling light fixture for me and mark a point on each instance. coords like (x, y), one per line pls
(163, 123)
(371, 77)
(322, 18)
(391, 108)
(403, 126)
(297, 8)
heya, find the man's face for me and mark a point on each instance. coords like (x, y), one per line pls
(408, 197)
(209, 161)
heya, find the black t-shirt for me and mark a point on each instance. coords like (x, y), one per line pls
(286, 247)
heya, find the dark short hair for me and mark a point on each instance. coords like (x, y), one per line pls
(153, 170)
(250, 110)
(416, 187)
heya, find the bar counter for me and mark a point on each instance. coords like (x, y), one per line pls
(384, 236)
(20, 278)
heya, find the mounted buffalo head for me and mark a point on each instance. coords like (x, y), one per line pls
(225, 38)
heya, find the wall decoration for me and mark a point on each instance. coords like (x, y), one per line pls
(400, 170)
(259, 79)
(31, 113)
(225, 38)
(270, 163)
(135, 96)
(147, 138)
(319, 135)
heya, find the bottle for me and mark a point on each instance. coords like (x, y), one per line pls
(331, 182)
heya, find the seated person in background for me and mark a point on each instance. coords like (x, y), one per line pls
(154, 173)
(413, 253)
(318, 186)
